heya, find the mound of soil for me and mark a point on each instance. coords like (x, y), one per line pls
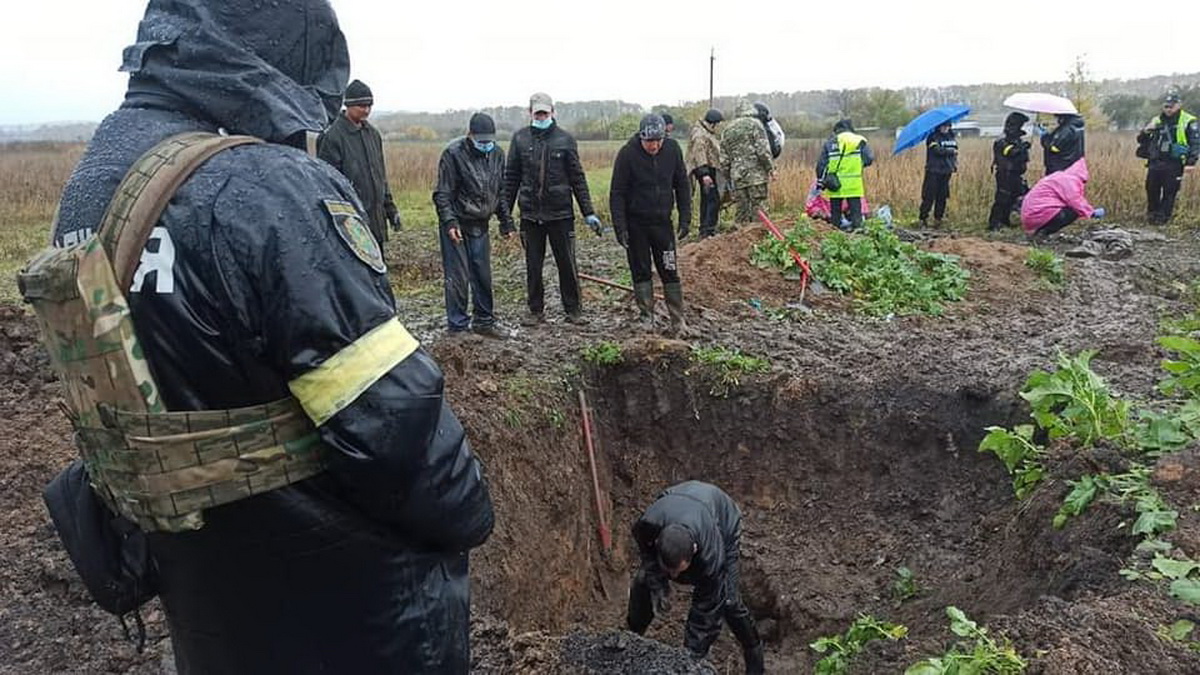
(717, 273)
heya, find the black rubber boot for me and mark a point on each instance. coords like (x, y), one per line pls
(674, 295)
(743, 628)
(754, 660)
(643, 293)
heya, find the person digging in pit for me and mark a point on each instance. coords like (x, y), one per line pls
(690, 535)
(650, 179)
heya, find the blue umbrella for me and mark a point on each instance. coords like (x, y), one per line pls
(921, 126)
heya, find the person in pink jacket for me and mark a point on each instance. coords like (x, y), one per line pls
(1057, 201)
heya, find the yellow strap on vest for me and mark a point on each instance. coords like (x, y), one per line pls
(327, 389)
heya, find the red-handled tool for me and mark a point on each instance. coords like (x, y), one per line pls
(805, 272)
(605, 533)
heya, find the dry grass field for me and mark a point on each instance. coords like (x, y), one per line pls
(32, 176)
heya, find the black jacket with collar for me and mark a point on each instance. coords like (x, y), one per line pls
(542, 173)
(646, 187)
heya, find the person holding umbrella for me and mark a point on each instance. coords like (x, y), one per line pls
(941, 161)
(1010, 157)
(1062, 147)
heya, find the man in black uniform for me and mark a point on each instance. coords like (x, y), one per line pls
(542, 174)
(1064, 146)
(470, 176)
(690, 534)
(1010, 157)
(941, 161)
(1170, 144)
(262, 282)
(354, 147)
(650, 179)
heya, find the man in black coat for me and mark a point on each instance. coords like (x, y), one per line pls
(941, 161)
(468, 194)
(690, 534)
(1170, 144)
(1010, 157)
(261, 282)
(1064, 146)
(354, 147)
(542, 174)
(649, 180)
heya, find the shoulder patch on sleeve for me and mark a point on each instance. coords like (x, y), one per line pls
(355, 233)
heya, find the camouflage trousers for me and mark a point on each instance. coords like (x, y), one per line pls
(749, 200)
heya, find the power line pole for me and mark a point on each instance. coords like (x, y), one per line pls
(712, 59)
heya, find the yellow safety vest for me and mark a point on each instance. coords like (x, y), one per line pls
(846, 162)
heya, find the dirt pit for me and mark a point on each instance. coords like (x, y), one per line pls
(840, 486)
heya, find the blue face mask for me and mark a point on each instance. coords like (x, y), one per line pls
(542, 124)
(485, 146)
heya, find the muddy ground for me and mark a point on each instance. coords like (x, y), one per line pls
(853, 456)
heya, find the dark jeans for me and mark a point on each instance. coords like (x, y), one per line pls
(652, 243)
(561, 234)
(835, 211)
(1010, 186)
(710, 209)
(935, 190)
(1162, 184)
(1058, 222)
(468, 264)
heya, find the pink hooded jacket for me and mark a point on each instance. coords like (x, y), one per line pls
(1063, 189)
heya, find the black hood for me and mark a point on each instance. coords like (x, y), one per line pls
(843, 125)
(1070, 120)
(1014, 122)
(270, 70)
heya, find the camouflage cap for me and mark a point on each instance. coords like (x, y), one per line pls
(541, 102)
(652, 128)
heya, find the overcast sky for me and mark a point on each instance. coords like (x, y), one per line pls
(59, 59)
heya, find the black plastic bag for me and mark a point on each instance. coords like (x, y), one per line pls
(110, 553)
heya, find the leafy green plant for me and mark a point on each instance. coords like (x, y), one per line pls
(1083, 492)
(1047, 265)
(905, 585)
(1183, 373)
(1021, 456)
(1074, 401)
(729, 365)
(983, 656)
(840, 649)
(886, 276)
(1181, 632)
(604, 353)
(771, 253)
(1154, 516)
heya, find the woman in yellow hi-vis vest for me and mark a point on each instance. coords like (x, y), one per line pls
(840, 172)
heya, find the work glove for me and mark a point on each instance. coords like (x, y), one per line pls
(1039, 130)
(1099, 212)
(593, 221)
(394, 219)
(684, 228)
(622, 237)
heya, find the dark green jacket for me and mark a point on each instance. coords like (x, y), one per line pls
(357, 152)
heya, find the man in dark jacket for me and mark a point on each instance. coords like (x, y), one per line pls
(1010, 157)
(354, 147)
(690, 534)
(1170, 144)
(542, 174)
(470, 177)
(650, 179)
(261, 282)
(941, 161)
(1064, 146)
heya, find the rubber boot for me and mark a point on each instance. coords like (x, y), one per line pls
(674, 295)
(754, 660)
(643, 293)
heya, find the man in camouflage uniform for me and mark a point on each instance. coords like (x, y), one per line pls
(261, 282)
(703, 163)
(747, 161)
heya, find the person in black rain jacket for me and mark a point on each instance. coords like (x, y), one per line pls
(941, 161)
(691, 534)
(261, 276)
(1010, 157)
(1064, 146)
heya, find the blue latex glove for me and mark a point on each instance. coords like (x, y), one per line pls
(1039, 130)
(593, 221)
(1099, 212)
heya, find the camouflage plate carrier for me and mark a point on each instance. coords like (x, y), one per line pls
(160, 469)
